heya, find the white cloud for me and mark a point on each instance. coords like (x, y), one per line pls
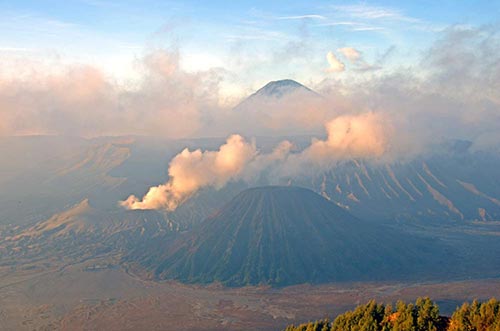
(335, 65)
(364, 11)
(350, 53)
(351, 136)
(82, 100)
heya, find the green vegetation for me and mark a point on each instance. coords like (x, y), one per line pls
(423, 315)
(477, 316)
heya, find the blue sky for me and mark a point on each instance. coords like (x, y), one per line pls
(253, 41)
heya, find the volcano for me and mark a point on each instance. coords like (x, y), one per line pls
(277, 93)
(280, 88)
(288, 235)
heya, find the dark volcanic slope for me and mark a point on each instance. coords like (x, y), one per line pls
(287, 235)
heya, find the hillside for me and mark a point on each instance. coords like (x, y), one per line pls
(82, 232)
(445, 185)
(286, 235)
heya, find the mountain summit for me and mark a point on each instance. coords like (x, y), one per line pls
(279, 88)
(285, 235)
(277, 91)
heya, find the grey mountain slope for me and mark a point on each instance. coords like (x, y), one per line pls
(83, 231)
(438, 187)
(283, 236)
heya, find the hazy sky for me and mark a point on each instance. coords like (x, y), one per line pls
(428, 69)
(254, 41)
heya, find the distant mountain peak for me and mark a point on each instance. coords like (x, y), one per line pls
(279, 88)
(276, 91)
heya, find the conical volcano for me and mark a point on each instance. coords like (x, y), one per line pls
(275, 93)
(287, 235)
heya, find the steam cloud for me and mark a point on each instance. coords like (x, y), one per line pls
(189, 171)
(348, 136)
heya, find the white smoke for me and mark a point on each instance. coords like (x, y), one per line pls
(190, 171)
(359, 136)
(352, 136)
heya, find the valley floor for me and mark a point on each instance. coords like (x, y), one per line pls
(96, 295)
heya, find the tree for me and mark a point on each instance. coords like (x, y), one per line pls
(476, 317)
(427, 315)
(421, 316)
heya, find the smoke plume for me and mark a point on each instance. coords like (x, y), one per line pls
(359, 136)
(190, 171)
(350, 136)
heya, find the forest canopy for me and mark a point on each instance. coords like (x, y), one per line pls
(423, 315)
